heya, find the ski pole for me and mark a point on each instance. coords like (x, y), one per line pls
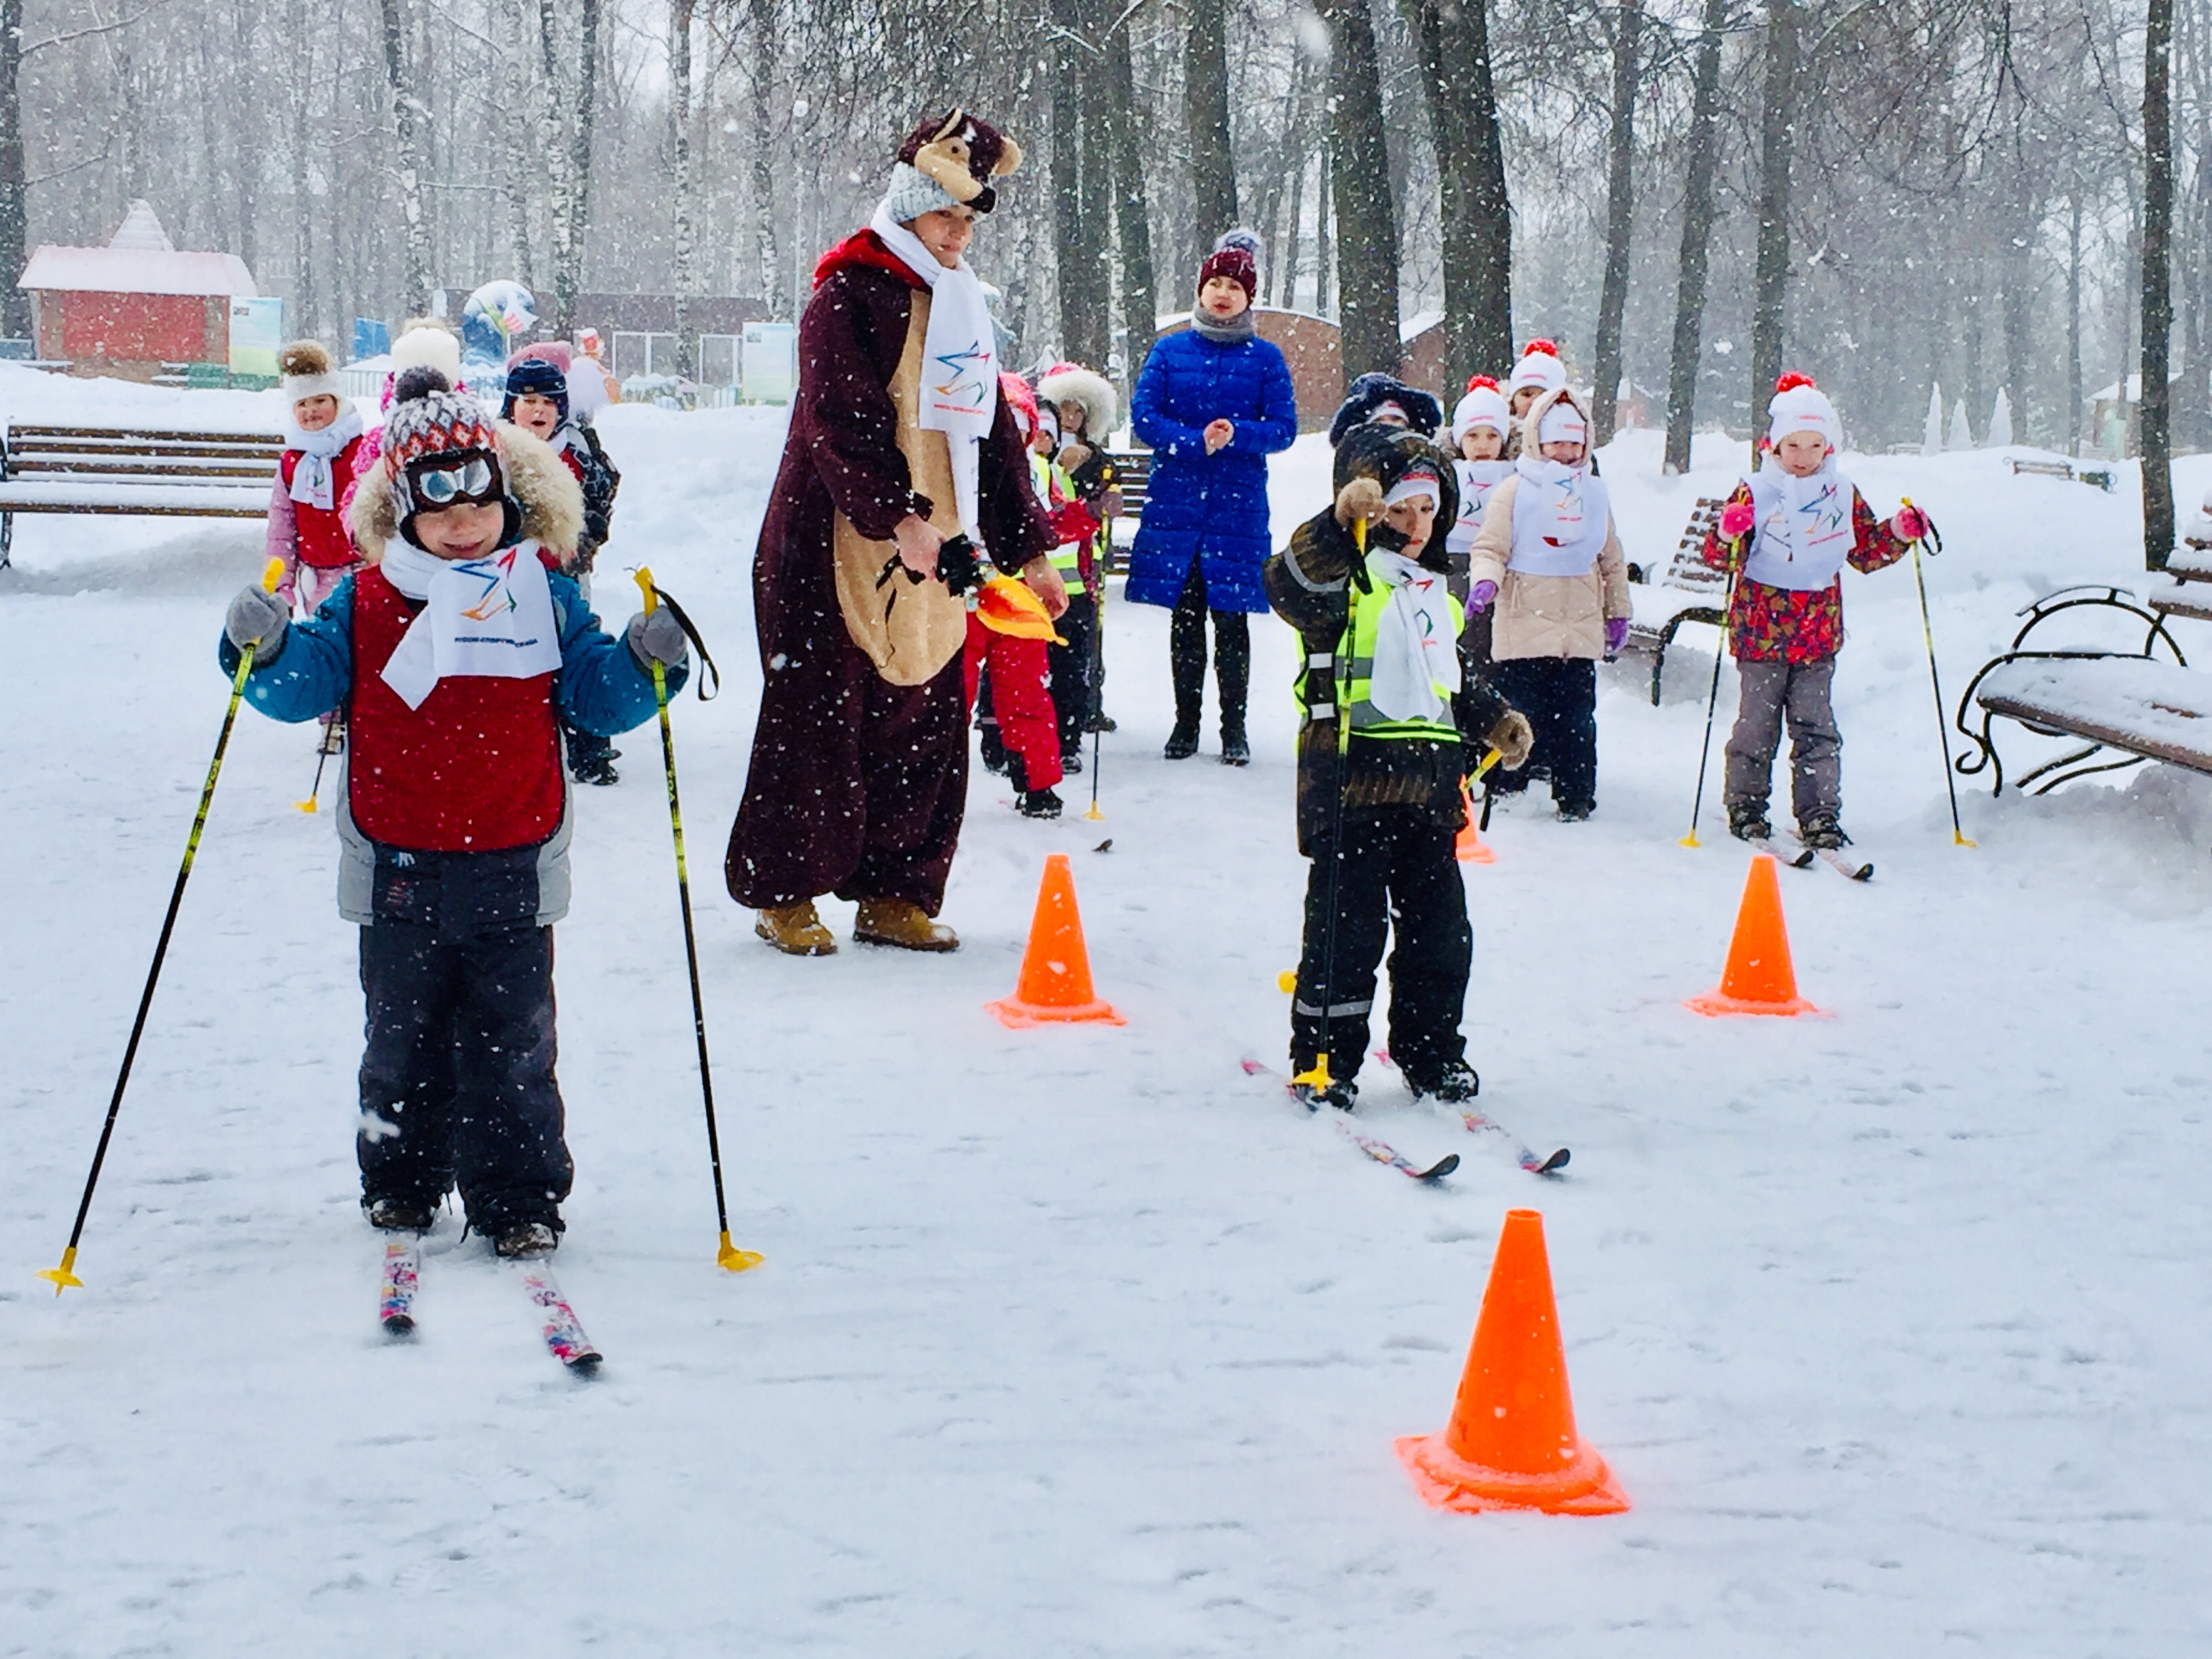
(1713, 697)
(1936, 680)
(63, 1277)
(322, 755)
(1319, 1076)
(728, 1255)
(1097, 698)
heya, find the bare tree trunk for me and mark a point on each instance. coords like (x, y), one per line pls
(553, 146)
(1286, 258)
(1367, 219)
(307, 320)
(14, 223)
(1619, 214)
(2073, 323)
(247, 149)
(687, 206)
(1079, 220)
(515, 134)
(1324, 236)
(760, 74)
(407, 115)
(1452, 43)
(569, 280)
(1139, 294)
(1206, 113)
(1778, 126)
(2157, 285)
(2019, 299)
(1697, 235)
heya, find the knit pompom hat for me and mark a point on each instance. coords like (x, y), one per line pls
(307, 373)
(1798, 405)
(437, 425)
(535, 376)
(1236, 256)
(1484, 405)
(429, 343)
(1540, 366)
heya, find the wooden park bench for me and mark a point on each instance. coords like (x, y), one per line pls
(2131, 703)
(2098, 477)
(1133, 475)
(1690, 591)
(135, 470)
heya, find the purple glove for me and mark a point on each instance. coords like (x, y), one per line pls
(1616, 634)
(1478, 597)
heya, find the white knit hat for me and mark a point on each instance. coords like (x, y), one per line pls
(428, 344)
(1563, 423)
(1798, 405)
(1540, 366)
(1484, 405)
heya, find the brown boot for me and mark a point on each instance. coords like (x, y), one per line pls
(904, 923)
(796, 931)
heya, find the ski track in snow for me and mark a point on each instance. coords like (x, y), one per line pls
(1893, 1324)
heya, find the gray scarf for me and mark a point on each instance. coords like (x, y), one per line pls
(1237, 328)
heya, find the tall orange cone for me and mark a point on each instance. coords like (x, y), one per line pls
(1468, 849)
(1759, 979)
(1054, 988)
(1512, 1443)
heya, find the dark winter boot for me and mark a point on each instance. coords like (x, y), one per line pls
(1821, 832)
(1747, 820)
(1182, 742)
(1070, 761)
(1340, 1092)
(1236, 748)
(400, 1215)
(1574, 812)
(1455, 1083)
(994, 751)
(1039, 804)
(596, 769)
(1102, 721)
(519, 1240)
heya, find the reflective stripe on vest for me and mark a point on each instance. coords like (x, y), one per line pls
(1354, 660)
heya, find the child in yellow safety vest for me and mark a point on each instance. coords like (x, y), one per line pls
(1395, 717)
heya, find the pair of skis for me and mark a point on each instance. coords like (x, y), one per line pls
(562, 1331)
(1382, 1151)
(1800, 857)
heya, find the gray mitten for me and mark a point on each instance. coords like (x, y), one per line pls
(258, 614)
(657, 638)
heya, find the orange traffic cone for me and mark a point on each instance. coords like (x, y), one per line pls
(1054, 988)
(1759, 979)
(1468, 849)
(1512, 1443)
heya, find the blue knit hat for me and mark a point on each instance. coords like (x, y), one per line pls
(534, 375)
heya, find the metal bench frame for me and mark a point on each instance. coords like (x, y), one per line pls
(2080, 762)
(1689, 554)
(125, 458)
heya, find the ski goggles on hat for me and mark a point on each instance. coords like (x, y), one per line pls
(453, 480)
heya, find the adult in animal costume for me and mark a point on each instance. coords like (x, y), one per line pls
(899, 445)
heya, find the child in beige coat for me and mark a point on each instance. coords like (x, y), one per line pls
(1548, 561)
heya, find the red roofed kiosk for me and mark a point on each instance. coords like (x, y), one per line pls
(126, 309)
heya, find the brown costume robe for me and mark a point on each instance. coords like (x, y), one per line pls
(860, 773)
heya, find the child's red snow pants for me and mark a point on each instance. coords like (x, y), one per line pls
(1021, 698)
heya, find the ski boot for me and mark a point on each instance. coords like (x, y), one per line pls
(1070, 761)
(1821, 832)
(1453, 1083)
(519, 1239)
(1102, 721)
(399, 1215)
(1748, 822)
(1574, 812)
(596, 769)
(1039, 804)
(1340, 1092)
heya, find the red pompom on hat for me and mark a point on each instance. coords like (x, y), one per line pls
(1021, 400)
(1236, 256)
(1540, 366)
(1793, 379)
(1476, 382)
(1546, 347)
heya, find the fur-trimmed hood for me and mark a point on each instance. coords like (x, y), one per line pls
(1424, 414)
(552, 500)
(1535, 418)
(1071, 383)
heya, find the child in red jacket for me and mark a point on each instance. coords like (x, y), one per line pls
(1788, 532)
(323, 448)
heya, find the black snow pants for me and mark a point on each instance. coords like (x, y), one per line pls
(1398, 870)
(1560, 697)
(457, 1084)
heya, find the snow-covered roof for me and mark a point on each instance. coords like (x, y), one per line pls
(1419, 324)
(139, 259)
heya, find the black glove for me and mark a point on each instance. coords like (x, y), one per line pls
(957, 567)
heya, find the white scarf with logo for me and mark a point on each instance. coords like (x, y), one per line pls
(1416, 648)
(491, 617)
(1561, 515)
(313, 484)
(960, 360)
(1476, 480)
(1804, 527)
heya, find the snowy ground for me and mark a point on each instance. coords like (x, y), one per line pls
(1894, 1325)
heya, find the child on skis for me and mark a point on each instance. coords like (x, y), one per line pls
(322, 449)
(1547, 557)
(1022, 716)
(537, 402)
(1379, 803)
(1087, 408)
(453, 650)
(1784, 535)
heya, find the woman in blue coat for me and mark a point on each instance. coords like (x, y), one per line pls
(1213, 404)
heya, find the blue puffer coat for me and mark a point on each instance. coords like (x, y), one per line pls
(1214, 507)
